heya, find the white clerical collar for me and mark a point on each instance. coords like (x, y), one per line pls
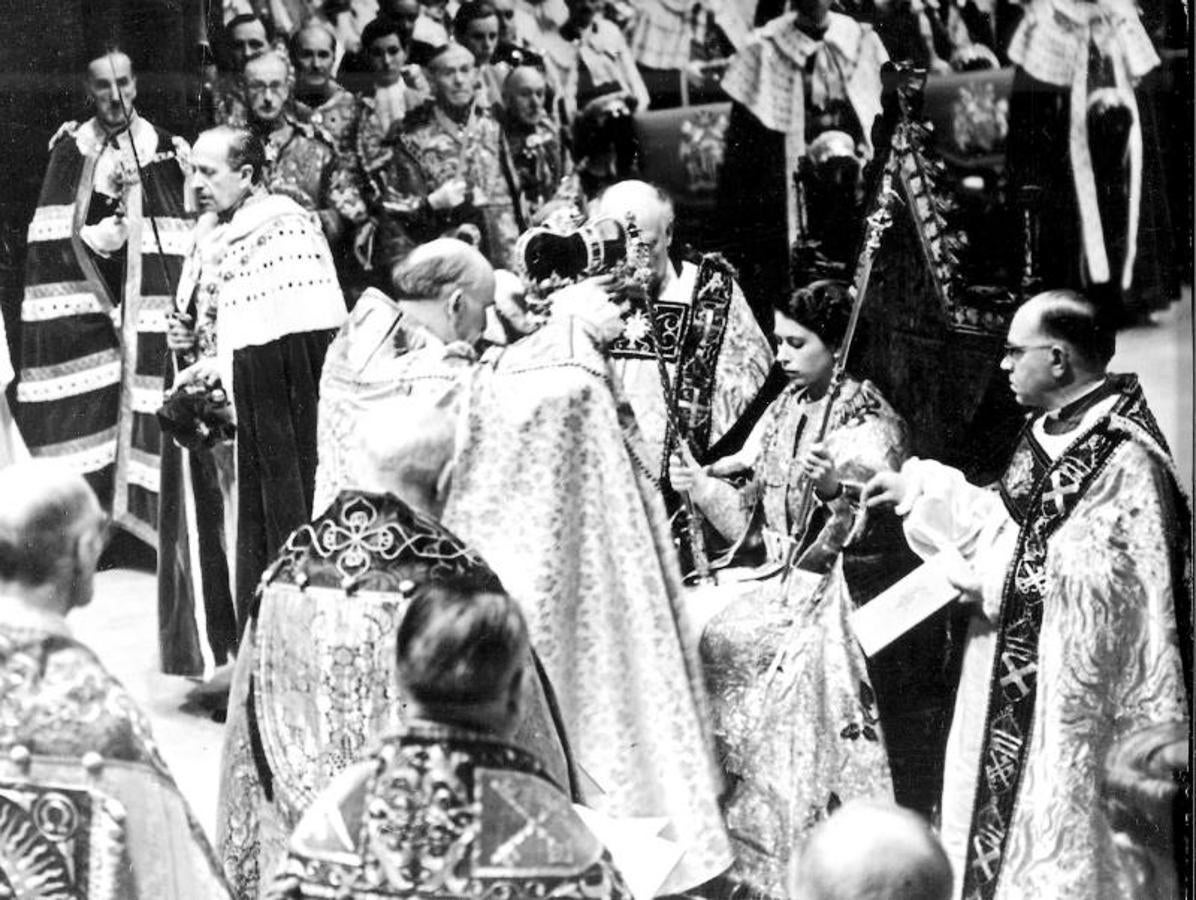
(1055, 444)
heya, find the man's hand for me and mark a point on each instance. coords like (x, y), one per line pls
(180, 336)
(449, 195)
(204, 370)
(890, 489)
(591, 302)
(685, 475)
(817, 465)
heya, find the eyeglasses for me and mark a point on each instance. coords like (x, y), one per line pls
(1016, 352)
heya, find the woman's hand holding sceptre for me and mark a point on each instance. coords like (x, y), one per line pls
(816, 465)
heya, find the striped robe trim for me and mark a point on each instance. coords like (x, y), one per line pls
(74, 288)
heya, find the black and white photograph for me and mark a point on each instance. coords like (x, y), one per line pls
(596, 450)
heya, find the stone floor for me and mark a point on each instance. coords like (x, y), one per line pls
(121, 623)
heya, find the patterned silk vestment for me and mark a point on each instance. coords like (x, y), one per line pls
(795, 714)
(87, 806)
(93, 324)
(1081, 559)
(552, 487)
(315, 685)
(433, 149)
(303, 164)
(442, 811)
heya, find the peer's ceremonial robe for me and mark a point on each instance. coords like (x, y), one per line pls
(87, 806)
(502, 827)
(98, 287)
(268, 276)
(1081, 558)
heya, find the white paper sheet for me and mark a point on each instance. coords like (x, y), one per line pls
(915, 597)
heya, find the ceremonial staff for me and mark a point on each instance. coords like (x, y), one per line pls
(183, 358)
(876, 224)
(125, 114)
(693, 523)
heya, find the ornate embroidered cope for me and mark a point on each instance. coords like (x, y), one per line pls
(1040, 496)
(446, 812)
(315, 684)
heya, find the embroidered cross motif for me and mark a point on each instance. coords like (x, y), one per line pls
(987, 860)
(1001, 766)
(1019, 678)
(359, 539)
(1065, 481)
(1029, 578)
(636, 340)
(356, 540)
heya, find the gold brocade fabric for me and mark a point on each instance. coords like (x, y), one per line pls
(547, 491)
(304, 166)
(315, 686)
(795, 716)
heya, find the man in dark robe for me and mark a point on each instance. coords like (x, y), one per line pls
(262, 292)
(538, 157)
(805, 73)
(105, 248)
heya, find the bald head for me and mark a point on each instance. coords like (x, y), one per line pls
(408, 461)
(652, 210)
(1071, 317)
(447, 285)
(313, 52)
(50, 524)
(868, 850)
